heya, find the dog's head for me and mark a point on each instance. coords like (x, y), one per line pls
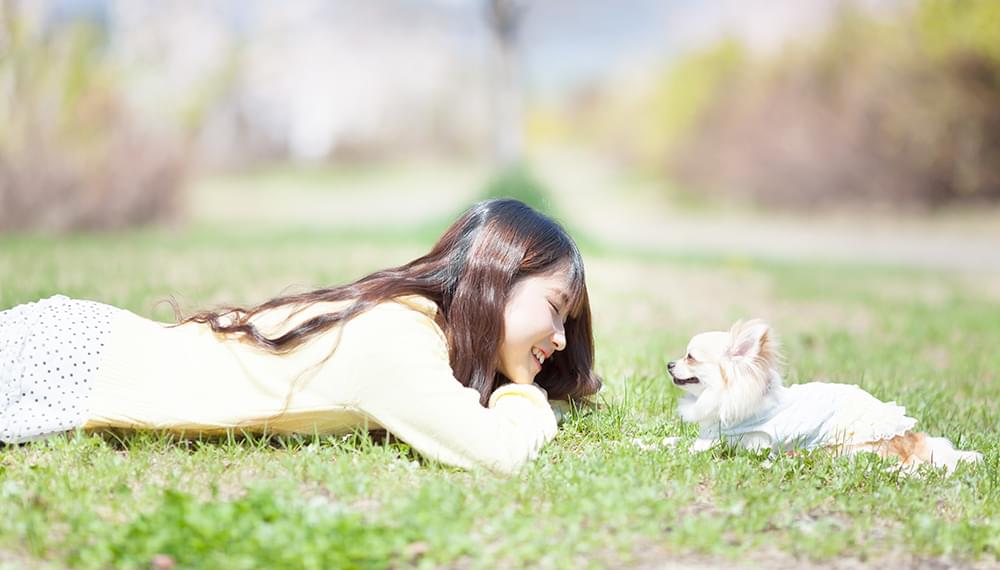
(727, 374)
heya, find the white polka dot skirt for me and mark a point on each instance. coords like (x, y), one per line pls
(49, 354)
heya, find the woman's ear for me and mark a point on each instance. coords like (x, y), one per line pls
(753, 341)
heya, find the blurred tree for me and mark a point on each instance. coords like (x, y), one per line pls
(72, 153)
(897, 111)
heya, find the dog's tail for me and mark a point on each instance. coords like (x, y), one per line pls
(943, 453)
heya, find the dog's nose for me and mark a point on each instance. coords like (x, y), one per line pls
(670, 365)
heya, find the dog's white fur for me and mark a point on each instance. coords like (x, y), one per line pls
(731, 378)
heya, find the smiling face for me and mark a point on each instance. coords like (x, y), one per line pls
(534, 325)
(699, 369)
(727, 375)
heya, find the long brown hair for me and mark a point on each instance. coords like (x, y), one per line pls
(468, 274)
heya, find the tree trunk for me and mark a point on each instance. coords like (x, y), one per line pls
(504, 18)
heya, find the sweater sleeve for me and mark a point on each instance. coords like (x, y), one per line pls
(405, 383)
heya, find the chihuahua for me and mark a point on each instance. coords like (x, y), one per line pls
(735, 393)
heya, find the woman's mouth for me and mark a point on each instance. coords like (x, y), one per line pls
(538, 356)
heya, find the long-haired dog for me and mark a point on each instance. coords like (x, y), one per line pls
(735, 393)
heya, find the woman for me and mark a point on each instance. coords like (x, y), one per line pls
(452, 353)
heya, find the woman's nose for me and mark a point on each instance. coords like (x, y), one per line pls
(559, 340)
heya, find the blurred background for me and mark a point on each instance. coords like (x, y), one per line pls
(832, 166)
(788, 128)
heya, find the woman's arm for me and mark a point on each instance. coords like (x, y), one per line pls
(405, 384)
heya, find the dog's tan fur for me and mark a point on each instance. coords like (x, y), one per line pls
(768, 349)
(911, 448)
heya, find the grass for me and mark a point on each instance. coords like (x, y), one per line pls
(595, 498)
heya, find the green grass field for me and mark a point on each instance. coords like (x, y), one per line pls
(595, 498)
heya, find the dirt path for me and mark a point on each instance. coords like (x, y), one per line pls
(592, 194)
(604, 201)
(396, 194)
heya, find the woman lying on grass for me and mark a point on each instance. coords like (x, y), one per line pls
(454, 353)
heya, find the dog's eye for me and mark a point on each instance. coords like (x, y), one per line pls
(690, 358)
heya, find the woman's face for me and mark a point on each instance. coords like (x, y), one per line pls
(534, 325)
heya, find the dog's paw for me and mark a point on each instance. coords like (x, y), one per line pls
(970, 456)
(702, 445)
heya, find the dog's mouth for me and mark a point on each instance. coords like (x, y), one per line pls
(683, 381)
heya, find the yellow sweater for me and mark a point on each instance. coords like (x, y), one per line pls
(387, 368)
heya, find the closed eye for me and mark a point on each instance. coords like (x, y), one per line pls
(690, 358)
(558, 311)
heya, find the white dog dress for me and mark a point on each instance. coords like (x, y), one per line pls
(817, 414)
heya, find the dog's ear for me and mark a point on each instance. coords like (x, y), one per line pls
(743, 395)
(754, 341)
(753, 355)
